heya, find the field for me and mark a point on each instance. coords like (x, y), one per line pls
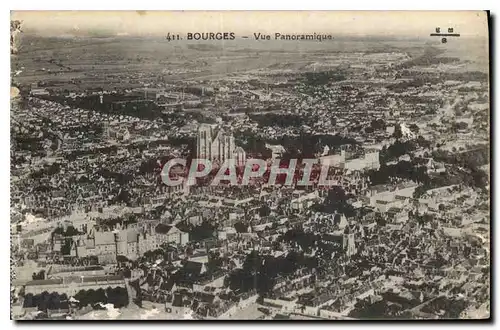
(123, 62)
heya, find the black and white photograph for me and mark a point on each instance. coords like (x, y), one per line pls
(250, 165)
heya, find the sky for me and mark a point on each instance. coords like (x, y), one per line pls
(337, 23)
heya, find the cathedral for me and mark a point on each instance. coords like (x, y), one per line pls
(214, 144)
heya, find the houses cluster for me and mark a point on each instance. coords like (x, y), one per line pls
(400, 232)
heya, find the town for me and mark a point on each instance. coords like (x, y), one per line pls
(401, 230)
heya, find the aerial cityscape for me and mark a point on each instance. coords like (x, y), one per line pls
(332, 178)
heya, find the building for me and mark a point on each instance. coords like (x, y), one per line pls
(216, 145)
(383, 198)
(171, 234)
(368, 161)
(343, 241)
(335, 160)
(240, 156)
(70, 285)
(156, 234)
(130, 242)
(301, 201)
(166, 192)
(63, 271)
(39, 91)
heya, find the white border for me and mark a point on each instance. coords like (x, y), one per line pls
(200, 5)
(256, 5)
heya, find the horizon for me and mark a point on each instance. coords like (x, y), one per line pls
(340, 24)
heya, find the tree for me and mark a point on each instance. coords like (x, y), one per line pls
(59, 231)
(54, 301)
(419, 191)
(81, 296)
(29, 301)
(378, 124)
(398, 134)
(421, 141)
(66, 247)
(117, 296)
(414, 128)
(100, 296)
(459, 126)
(121, 259)
(336, 194)
(71, 231)
(381, 221)
(264, 210)
(241, 227)
(91, 297)
(252, 262)
(203, 231)
(127, 273)
(336, 202)
(44, 301)
(64, 298)
(305, 240)
(39, 276)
